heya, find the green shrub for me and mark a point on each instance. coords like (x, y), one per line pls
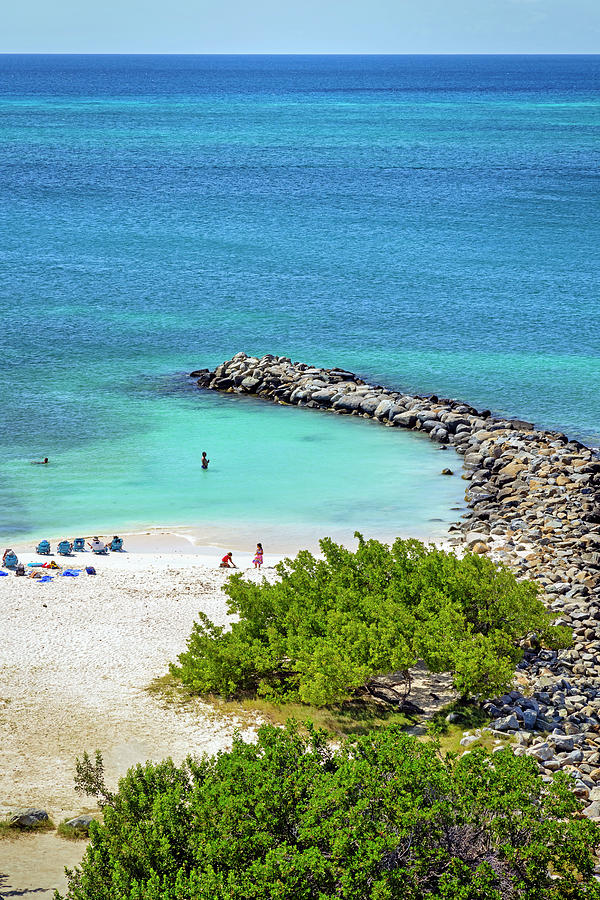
(327, 627)
(380, 817)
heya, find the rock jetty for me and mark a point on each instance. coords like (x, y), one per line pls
(533, 503)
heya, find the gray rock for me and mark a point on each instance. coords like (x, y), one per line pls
(541, 752)
(383, 409)
(369, 405)
(81, 823)
(593, 810)
(250, 383)
(324, 397)
(404, 419)
(349, 402)
(574, 757)
(529, 719)
(509, 723)
(25, 818)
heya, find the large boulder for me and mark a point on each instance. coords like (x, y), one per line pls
(383, 409)
(324, 396)
(349, 402)
(27, 818)
(405, 419)
(250, 384)
(508, 723)
(369, 405)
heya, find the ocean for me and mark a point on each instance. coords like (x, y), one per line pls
(431, 223)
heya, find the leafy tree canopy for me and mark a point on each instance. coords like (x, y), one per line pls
(328, 626)
(378, 818)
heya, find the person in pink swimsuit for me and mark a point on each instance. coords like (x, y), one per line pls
(258, 556)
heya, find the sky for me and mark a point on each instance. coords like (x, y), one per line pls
(300, 26)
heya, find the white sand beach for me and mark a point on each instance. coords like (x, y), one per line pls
(78, 653)
(76, 657)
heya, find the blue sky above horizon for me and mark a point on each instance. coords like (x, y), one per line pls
(301, 26)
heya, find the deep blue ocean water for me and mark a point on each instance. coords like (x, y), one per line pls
(432, 223)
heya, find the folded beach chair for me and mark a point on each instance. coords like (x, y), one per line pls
(43, 548)
(64, 548)
(10, 560)
(79, 544)
(116, 544)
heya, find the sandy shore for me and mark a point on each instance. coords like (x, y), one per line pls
(76, 657)
(78, 654)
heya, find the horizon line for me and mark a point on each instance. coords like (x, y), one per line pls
(294, 53)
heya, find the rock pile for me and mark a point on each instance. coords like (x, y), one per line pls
(533, 503)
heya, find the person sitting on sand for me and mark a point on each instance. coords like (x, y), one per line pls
(227, 561)
(40, 462)
(258, 556)
(7, 552)
(204, 461)
(96, 544)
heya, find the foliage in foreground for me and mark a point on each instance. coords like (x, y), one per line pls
(380, 817)
(327, 627)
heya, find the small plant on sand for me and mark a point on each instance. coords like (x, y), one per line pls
(89, 778)
(328, 627)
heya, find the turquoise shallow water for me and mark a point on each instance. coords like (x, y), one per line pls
(430, 222)
(280, 475)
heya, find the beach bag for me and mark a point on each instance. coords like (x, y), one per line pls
(20, 569)
(90, 570)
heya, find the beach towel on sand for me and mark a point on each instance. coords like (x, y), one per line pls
(3, 573)
(45, 578)
(72, 572)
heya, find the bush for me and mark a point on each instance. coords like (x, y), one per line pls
(381, 817)
(329, 626)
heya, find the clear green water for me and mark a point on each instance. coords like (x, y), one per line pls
(431, 223)
(278, 473)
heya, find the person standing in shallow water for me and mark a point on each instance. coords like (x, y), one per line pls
(204, 461)
(258, 556)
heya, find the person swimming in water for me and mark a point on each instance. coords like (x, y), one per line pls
(40, 462)
(204, 461)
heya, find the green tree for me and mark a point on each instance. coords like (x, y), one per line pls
(329, 626)
(382, 816)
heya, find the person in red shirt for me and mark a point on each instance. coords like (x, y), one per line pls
(227, 561)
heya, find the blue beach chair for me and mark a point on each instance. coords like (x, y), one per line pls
(64, 548)
(43, 548)
(116, 544)
(79, 544)
(10, 560)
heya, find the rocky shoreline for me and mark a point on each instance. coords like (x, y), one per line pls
(533, 503)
